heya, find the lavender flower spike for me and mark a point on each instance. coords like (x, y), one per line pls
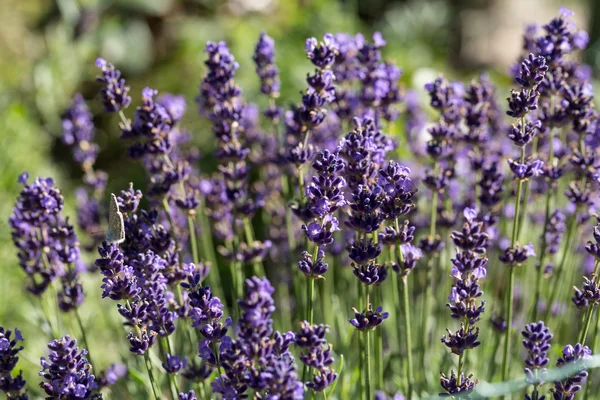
(115, 94)
(12, 386)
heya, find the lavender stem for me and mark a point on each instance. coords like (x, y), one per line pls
(511, 279)
(151, 376)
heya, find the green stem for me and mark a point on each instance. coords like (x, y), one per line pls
(368, 363)
(258, 269)
(594, 350)
(165, 204)
(193, 241)
(164, 350)
(511, 279)
(561, 267)
(310, 288)
(379, 345)
(408, 338)
(84, 337)
(151, 375)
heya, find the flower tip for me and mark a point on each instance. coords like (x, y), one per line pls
(101, 62)
(565, 12)
(23, 178)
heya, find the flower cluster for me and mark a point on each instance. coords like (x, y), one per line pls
(67, 373)
(316, 355)
(136, 271)
(537, 339)
(259, 358)
(567, 388)
(47, 243)
(12, 386)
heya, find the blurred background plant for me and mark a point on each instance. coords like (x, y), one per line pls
(48, 48)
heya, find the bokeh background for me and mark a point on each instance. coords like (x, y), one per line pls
(48, 48)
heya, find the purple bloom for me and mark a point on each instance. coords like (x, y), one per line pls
(67, 372)
(368, 319)
(174, 363)
(78, 132)
(47, 244)
(11, 385)
(322, 233)
(321, 54)
(313, 268)
(454, 386)
(112, 375)
(258, 358)
(264, 57)
(567, 388)
(115, 94)
(537, 339)
(461, 340)
(316, 354)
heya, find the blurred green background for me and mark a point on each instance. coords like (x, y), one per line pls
(48, 48)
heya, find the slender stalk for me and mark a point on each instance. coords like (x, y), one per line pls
(379, 345)
(525, 200)
(310, 289)
(594, 350)
(368, 363)
(511, 279)
(586, 326)
(165, 204)
(572, 227)
(589, 313)
(193, 241)
(208, 248)
(164, 350)
(408, 336)
(53, 332)
(84, 336)
(258, 268)
(151, 375)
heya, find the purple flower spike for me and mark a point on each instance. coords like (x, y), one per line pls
(12, 386)
(67, 372)
(115, 94)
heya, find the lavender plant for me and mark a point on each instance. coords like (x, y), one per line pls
(231, 280)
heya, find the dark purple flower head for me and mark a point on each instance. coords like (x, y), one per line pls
(78, 132)
(522, 135)
(47, 244)
(151, 128)
(527, 170)
(11, 385)
(537, 340)
(322, 54)
(312, 268)
(324, 192)
(566, 389)
(322, 233)
(522, 102)
(264, 57)
(174, 364)
(67, 372)
(370, 274)
(115, 94)
(517, 255)
(368, 319)
(533, 69)
(461, 340)
(188, 396)
(455, 387)
(404, 236)
(112, 374)
(589, 295)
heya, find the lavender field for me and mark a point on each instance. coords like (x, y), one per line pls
(286, 212)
